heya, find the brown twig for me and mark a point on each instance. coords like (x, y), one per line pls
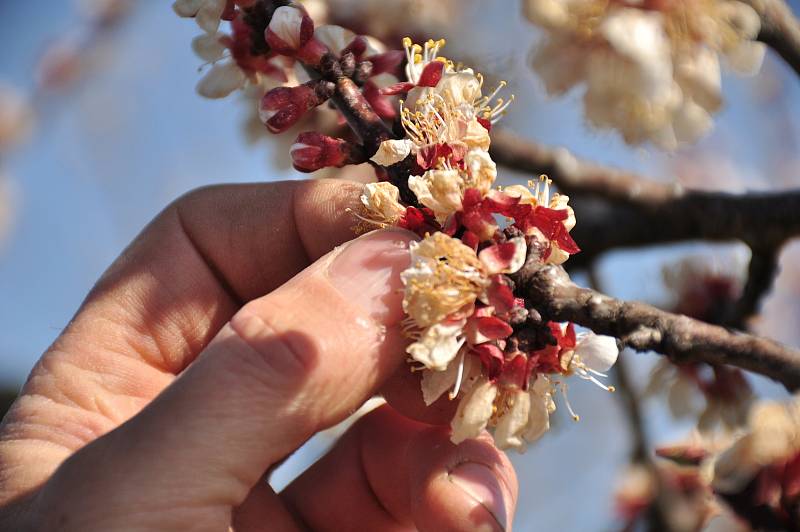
(646, 328)
(780, 29)
(576, 176)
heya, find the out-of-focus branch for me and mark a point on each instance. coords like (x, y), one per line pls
(646, 328)
(761, 273)
(780, 29)
(574, 175)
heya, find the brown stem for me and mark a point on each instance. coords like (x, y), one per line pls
(573, 175)
(360, 116)
(646, 328)
(760, 277)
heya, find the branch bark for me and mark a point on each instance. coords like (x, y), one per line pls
(646, 328)
(780, 29)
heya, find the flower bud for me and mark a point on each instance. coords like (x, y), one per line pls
(289, 30)
(313, 151)
(282, 107)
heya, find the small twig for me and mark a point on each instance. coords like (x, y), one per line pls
(646, 328)
(780, 29)
(761, 275)
(574, 175)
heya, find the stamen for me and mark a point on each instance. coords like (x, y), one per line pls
(563, 387)
(453, 394)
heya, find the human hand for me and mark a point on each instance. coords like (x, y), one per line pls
(179, 385)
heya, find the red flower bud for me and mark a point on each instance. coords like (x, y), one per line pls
(313, 151)
(283, 107)
(289, 30)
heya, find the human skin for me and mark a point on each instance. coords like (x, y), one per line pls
(228, 333)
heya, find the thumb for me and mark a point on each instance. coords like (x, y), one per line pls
(286, 366)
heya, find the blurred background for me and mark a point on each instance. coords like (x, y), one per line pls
(117, 132)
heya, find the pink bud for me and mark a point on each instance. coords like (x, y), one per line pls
(289, 30)
(282, 107)
(313, 151)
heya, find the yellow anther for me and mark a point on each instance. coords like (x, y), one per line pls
(407, 42)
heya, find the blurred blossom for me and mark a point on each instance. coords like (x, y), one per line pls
(759, 475)
(651, 69)
(16, 117)
(716, 396)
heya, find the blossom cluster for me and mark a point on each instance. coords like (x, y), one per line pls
(423, 122)
(651, 68)
(464, 317)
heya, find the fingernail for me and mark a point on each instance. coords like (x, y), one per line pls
(482, 485)
(367, 272)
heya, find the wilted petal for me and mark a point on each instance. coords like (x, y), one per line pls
(513, 424)
(474, 412)
(392, 152)
(541, 406)
(383, 199)
(438, 345)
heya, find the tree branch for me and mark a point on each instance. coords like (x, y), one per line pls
(780, 29)
(760, 276)
(646, 328)
(576, 176)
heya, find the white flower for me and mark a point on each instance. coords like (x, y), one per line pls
(651, 72)
(392, 151)
(481, 170)
(774, 436)
(439, 190)
(381, 201)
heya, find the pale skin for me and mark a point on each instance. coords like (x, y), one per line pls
(228, 333)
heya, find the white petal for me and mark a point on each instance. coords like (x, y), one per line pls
(187, 8)
(436, 383)
(699, 76)
(336, 38)
(520, 254)
(547, 13)
(392, 151)
(597, 352)
(513, 423)
(541, 406)
(208, 17)
(221, 80)
(208, 47)
(438, 345)
(746, 58)
(691, 122)
(286, 23)
(474, 412)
